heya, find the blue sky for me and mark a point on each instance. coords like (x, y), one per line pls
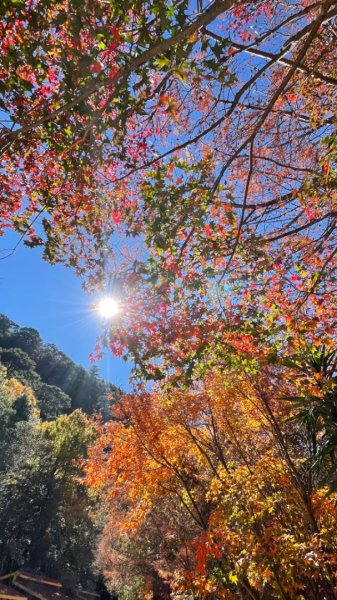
(50, 298)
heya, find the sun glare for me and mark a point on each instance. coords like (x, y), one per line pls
(108, 307)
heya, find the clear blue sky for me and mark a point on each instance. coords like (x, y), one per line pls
(50, 298)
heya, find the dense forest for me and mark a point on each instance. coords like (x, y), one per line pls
(59, 385)
(180, 157)
(46, 400)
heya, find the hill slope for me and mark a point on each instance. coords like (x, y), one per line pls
(45, 512)
(59, 385)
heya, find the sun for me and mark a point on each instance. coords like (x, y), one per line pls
(108, 307)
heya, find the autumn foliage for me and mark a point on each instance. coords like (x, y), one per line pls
(212, 489)
(182, 155)
(205, 132)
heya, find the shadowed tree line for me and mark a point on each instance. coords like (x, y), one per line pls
(60, 386)
(45, 512)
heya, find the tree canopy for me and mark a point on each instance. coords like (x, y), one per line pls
(216, 489)
(182, 155)
(44, 512)
(59, 384)
(46, 518)
(204, 130)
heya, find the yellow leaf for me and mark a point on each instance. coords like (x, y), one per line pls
(193, 38)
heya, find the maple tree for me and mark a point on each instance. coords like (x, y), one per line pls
(203, 134)
(211, 489)
(206, 132)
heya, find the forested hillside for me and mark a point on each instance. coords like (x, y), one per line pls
(60, 386)
(45, 405)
